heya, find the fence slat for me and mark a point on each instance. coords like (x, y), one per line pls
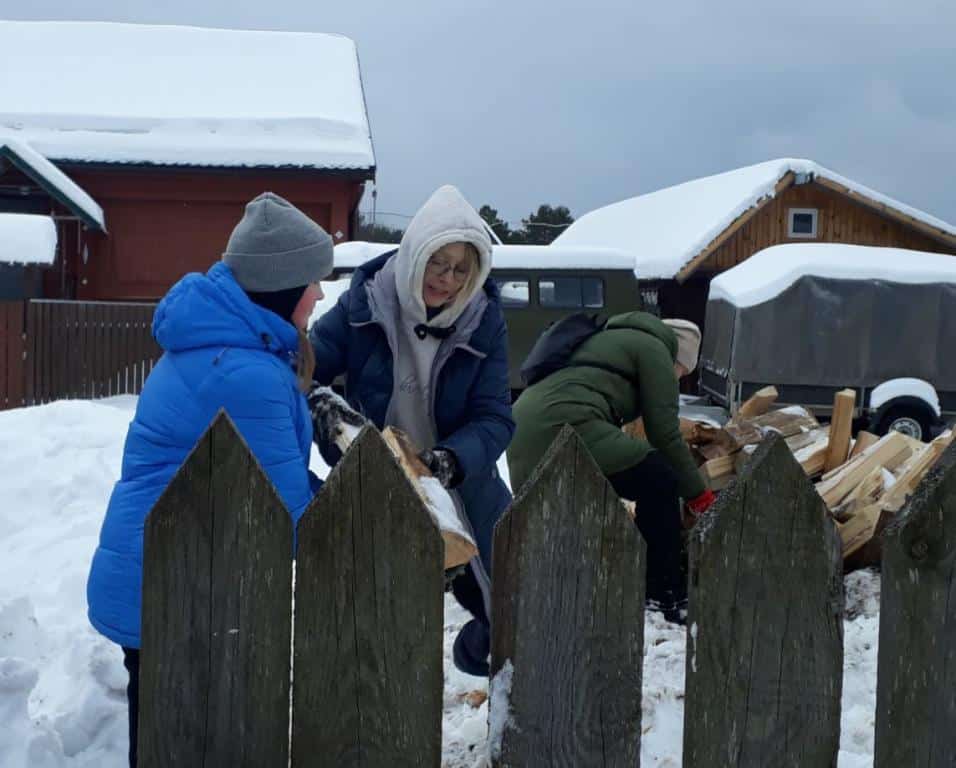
(139, 355)
(368, 620)
(765, 627)
(57, 352)
(126, 348)
(44, 356)
(15, 362)
(30, 361)
(916, 678)
(115, 349)
(82, 390)
(4, 355)
(568, 620)
(101, 350)
(217, 602)
(71, 351)
(5, 373)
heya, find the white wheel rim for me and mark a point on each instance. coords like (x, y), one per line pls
(908, 426)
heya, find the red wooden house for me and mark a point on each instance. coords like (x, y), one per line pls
(145, 142)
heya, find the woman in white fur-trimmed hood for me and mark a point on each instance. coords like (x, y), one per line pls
(421, 340)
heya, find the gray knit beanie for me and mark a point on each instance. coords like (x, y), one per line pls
(275, 247)
(688, 341)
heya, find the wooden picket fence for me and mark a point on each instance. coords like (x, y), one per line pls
(56, 350)
(764, 641)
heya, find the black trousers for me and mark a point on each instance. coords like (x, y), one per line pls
(653, 485)
(131, 662)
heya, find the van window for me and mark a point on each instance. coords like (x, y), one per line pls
(571, 292)
(514, 293)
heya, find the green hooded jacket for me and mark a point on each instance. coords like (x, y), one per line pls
(597, 402)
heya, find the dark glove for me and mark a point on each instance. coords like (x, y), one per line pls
(443, 465)
(453, 573)
(332, 418)
(701, 504)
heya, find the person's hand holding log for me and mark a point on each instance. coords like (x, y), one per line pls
(333, 421)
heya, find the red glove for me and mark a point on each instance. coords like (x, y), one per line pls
(702, 503)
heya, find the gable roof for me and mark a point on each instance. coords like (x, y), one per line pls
(53, 181)
(672, 231)
(127, 93)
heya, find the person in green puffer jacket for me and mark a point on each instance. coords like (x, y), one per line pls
(629, 369)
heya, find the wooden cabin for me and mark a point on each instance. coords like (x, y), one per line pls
(682, 236)
(146, 159)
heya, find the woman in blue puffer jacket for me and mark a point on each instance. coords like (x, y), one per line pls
(230, 341)
(421, 341)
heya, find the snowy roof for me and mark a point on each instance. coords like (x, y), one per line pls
(353, 254)
(26, 238)
(129, 93)
(53, 181)
(667, 229)
(771, 271)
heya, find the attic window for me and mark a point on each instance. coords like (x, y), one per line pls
(802, 222)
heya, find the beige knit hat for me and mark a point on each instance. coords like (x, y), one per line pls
(688, 341)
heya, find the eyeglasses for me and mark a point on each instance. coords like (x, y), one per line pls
(441, 268)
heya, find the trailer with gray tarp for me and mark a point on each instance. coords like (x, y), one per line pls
(812, 319)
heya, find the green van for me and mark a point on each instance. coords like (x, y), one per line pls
(539, 284)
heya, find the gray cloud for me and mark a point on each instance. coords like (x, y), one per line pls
(583, 104)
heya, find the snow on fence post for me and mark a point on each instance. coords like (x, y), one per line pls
(916, 677)
(217, 597)
(764, 668)
(368, 619)
(568, 620)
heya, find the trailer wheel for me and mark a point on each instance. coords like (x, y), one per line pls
(912, 422)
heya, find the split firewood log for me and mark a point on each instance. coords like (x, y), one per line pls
(865, 494)
(841, 428)
(859, 529)
(890, 452)
(757, 404)
(863, 441)
(459, 545)
(719, 472)
(863, 546)
(913, 471)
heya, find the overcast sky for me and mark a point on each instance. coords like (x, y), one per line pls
(583, 104)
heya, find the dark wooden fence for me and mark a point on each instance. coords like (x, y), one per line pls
(56, 350)
(218, 625)
(764, 639)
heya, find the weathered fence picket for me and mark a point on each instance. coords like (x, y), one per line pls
(369, 619)
(765, 624)
(216, 631)
(568, 619)
(916, 688)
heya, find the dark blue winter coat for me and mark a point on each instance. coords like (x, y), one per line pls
(221, 351)
(472, 397)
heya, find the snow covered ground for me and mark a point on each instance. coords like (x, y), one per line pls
(62, 686)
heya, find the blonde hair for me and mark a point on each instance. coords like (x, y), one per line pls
(474, 268)
(304, 362)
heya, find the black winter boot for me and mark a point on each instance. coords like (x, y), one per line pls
(471, 649)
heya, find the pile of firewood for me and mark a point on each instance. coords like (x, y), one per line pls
(863, 482)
